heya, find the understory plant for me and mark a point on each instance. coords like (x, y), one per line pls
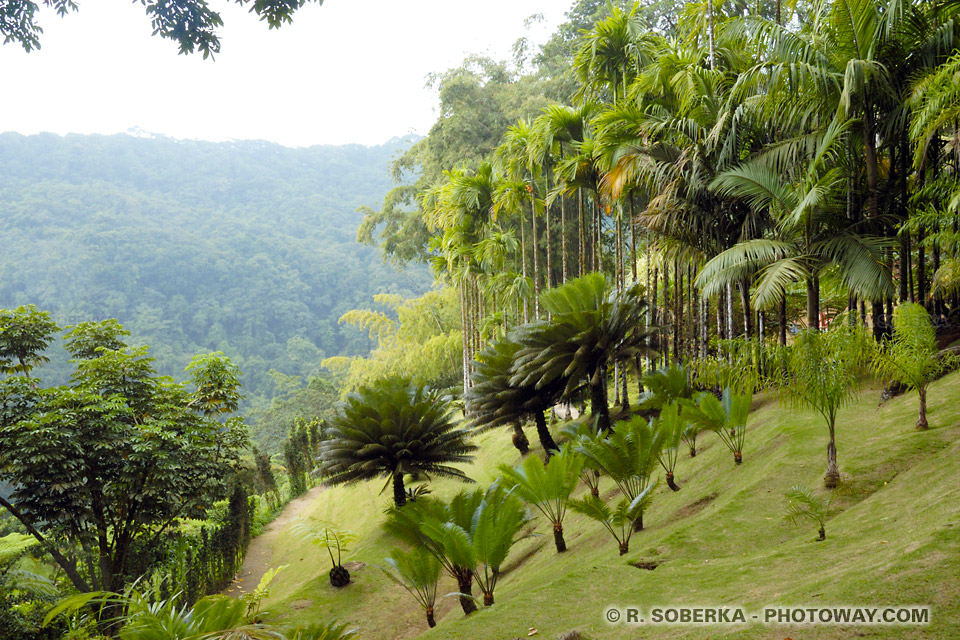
(802, 504)
(669, 428)
(331, 539)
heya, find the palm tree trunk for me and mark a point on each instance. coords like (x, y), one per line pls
(782, 319)
(558, 540)
(563, 238)
(431, 622)
(581, 235)
(832, 477)
(548, 277)
(533, 242)
(399, 493)
(729, 294)
(520, 440)
(813, 303)
(546, 440)
(598, 398)
(638, 523)
(465, 586)
(922, 420)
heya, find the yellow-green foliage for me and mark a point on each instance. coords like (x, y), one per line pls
(423, 343)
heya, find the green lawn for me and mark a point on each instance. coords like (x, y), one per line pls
(893, 538)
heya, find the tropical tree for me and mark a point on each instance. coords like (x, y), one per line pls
(726, 417)
(803, 504)
(548, 487)
(417, 571)
(910, 357)
(628, 455)
(330, 538)
(117, 454)
(591, 324)
(390, 429)
(821, 371)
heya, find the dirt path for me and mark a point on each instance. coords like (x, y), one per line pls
(260, 551)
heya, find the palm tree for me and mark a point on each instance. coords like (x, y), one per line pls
(812, 233)
(547, 487)
(629, 455)
(417, 571)
(390, 429)
(821, 373)
(803, 504)
(591, 324)
(910, 357)
(619, 521)
(670, 427)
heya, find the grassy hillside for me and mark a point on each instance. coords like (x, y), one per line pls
(893, 538)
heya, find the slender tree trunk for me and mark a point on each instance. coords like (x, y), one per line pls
(813, 304)
(431, 622)
(523, 255)
(581, 235)
(536, 250)
(638, 523)
(563, 237)
(922, 420)
(832, 477)
(782, 319)
(729, 311)
(548, 278)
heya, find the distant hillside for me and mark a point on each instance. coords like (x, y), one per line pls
(244, 247)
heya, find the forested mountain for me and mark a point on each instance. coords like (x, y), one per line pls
(242, 247)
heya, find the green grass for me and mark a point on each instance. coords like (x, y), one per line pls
(893, 538)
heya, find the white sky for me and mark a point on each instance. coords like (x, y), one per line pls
(346, 71)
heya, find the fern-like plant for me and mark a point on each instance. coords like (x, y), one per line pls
(331, 539)
(726, 417)
(620, 520)
(804, 505)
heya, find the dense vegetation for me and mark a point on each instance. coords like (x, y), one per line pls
(695, 210)
(246, 248)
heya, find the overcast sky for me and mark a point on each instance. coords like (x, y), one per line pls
(346, 71)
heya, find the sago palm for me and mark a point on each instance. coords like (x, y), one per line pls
(392, 428)
(417, 571)
(547, 487)
(726, 417)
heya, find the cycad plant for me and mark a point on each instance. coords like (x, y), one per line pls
(726, 417)
(331, 539)
(629, 455)
(591, 324)
(669, 428)
(665, 386)
(496, 400)
(618, 521)
(470, 536)
(910, 356)
(392, 428)
(804, 505)
(417, 571)
(548, 487)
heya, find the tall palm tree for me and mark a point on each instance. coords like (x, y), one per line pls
(392, 428)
